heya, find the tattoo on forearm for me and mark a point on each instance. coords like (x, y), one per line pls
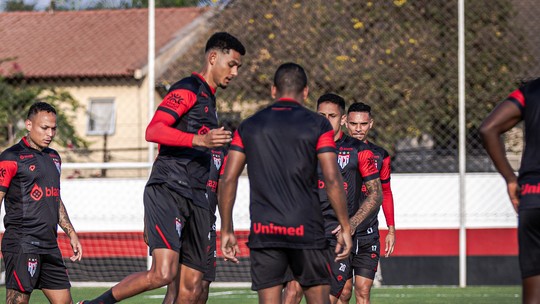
(63, 220)
(370, 204)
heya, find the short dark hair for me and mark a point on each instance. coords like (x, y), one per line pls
(224, 42)
(290, 78)
(40, 106)
(333, 98)
(359, 107)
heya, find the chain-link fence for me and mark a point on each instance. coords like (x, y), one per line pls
(399, 56)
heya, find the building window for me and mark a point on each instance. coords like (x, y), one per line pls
(101, 116)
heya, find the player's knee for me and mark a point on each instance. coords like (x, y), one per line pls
(345, 295)
(162, 277)
(190, 291)
(362, 292)
(293, 293)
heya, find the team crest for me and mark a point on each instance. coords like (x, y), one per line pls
(57, 164)
(217, 160)
(32, 266)
(179, 227)
(343, 159)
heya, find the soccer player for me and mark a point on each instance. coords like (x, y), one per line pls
(177, 213)
(30, 187)
(524, 191)
(359, 123)
(281, 145)
(357, 167)
(216, 169)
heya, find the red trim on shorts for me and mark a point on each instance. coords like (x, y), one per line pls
(329, 269)
(517, 95)
(163, 237)
(18, 281)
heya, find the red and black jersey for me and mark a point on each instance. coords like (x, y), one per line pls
(281, 143)
(192, 105)
(31, 181)
(527, 98)
(383, 163)
(357, 165)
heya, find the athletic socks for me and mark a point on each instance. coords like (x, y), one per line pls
(105, 298)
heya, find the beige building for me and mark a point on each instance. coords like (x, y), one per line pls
(100, 58)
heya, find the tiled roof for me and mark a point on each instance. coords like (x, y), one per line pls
(97, 43)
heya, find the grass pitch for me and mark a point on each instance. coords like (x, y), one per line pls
(383, 295)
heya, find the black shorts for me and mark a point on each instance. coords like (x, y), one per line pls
(175, 222)
(341, 272)
(529, 242)
(28, 271)
(366, 254)
(269, 267)
(210, 273)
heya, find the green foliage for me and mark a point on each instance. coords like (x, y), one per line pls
(16, 97)
(18, 5)
(399, 56)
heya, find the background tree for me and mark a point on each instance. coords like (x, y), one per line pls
(399, 56)
(16, 97)
(18, 5)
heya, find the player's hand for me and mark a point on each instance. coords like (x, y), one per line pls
(336, 230)
(513, 193)
(390, 241)
(229, 247)
(343, 246)
(213, 139)
(76, 247)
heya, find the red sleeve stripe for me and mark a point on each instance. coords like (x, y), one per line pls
(385, 170)
(222, 170)
(388, 204)
(236, 143)
(326, 142)
(518, 96)
(8, 169)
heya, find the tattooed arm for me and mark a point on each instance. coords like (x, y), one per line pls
(371, 203)
(65, 224)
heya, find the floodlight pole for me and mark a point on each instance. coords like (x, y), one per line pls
(151, 82)
(151, 69)
(462, 146)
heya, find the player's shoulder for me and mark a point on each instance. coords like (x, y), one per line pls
(52, 152)
(531, 87)
(191, 83)
(12, 153)
(378, 149)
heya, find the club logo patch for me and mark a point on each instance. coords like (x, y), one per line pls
(57, 164)
(178, 227)
(32, 266)
(32, 168)
(217, 160)
(343, 159)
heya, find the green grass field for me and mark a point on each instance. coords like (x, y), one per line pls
(384, 295)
